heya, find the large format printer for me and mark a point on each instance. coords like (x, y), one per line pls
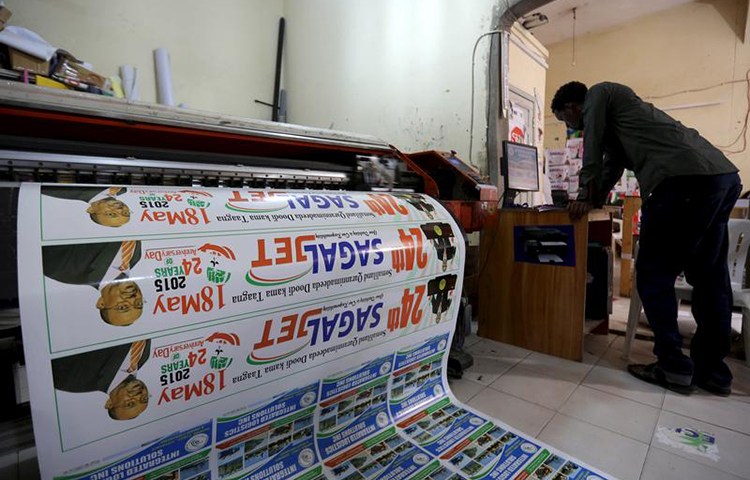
(74, 138)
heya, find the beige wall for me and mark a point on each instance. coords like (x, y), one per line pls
(527, 72)
(397, 69)
(222, 52)
(689, 47)
(356, 65)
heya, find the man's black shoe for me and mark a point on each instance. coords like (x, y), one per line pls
(713, 387)
(652, 373)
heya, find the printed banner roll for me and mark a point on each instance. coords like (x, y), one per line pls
(251, 334)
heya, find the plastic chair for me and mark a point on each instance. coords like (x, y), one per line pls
(739, 244)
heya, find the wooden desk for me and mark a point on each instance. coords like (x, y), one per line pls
(536, 306)
(630, 208)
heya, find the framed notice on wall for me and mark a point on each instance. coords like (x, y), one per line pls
(520, 117)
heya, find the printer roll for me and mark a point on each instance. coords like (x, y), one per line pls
(164, 93)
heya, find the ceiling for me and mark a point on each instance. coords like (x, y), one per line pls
(593, 15)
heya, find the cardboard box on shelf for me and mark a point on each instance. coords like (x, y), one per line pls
(23, 61)
(69, 69)
(574, 148)
(573, 185)
(4, 16)
(555, 157)
(575, 165)
(558, 174)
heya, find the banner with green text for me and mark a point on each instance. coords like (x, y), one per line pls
(197, 333)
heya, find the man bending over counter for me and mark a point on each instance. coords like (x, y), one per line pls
(689, 188)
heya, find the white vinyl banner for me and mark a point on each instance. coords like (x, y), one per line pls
(195, 333)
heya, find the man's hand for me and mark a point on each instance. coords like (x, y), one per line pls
(579, 208)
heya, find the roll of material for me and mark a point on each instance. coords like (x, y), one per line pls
(251, 333)
(27, 42)
(129, 76)
(164, 92)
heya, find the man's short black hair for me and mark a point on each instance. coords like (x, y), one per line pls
(571, 92)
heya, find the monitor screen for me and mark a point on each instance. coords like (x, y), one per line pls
(521, 167)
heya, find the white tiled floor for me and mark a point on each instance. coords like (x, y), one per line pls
(595, 411)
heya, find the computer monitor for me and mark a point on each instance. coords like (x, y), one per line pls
(520, 168)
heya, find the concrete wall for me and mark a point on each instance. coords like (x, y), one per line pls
(695, 46)
(398, 69)
(222, 52)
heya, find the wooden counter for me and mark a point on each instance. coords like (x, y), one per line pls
(630, 208)
(536, 306)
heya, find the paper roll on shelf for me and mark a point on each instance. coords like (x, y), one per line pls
(129, 76)
(164, 92)
(27, 41)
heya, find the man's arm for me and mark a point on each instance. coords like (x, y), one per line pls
(594, 123)
(590, 179)
(612, 168)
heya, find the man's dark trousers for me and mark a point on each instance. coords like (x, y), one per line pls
(684, 229)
